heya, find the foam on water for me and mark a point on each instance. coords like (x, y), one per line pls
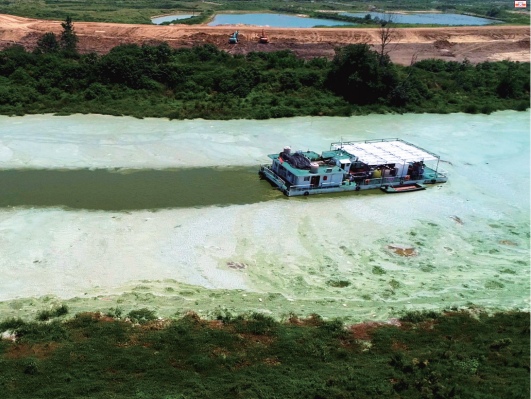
(471, 234)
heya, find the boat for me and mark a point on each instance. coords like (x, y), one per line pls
(392, 165)
(402, 188)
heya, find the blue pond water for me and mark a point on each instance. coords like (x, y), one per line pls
(167, 18)
(273, 20)
(437, 19)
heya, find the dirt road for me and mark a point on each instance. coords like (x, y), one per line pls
(477, 44)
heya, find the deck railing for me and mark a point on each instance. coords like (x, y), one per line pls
(442, 173)
(313, 186)
(272, 175)
(391, 179)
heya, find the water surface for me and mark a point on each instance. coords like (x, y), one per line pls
(119, 190)
(168, 18)
(273, 20)
(161, 250)
(425, 18)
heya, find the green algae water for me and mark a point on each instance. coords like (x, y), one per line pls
(246, 247)
(111, 190)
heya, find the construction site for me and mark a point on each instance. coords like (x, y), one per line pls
(474, 43)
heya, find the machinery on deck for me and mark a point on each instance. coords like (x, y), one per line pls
(263, 38)
(233, 39)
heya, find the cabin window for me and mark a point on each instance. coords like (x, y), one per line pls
(307, 178)
(325, 177)
(329, 170)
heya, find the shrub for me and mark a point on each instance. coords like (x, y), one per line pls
(333, 329)
(38, 332)
(257, 323)
(394, 284)
(48, 44)
(45, 315)
(30, 366)
(339, 283)
(11, 324)
(469, 366)
(417, 316)
(487, 109)
(501, 343)
(471, 109)
(200, 362)
(378, 270)
(522, 106)
(115, 313)
(142, 315)
(61, 311)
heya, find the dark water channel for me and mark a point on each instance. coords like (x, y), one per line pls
(144, 189)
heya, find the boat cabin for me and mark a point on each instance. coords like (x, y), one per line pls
(309, 169)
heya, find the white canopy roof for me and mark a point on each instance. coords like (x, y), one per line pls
(385, 152)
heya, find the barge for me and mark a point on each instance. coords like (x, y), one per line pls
(392, 165)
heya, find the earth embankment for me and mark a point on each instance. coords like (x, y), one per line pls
(477, 44)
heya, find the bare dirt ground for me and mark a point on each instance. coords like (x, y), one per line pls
(477, 44)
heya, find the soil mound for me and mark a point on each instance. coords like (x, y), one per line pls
(443, 44)
(525, 43)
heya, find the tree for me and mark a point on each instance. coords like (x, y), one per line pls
(48, 44)
(493, 12)
(68, 37)
(509, 86)
(358, 75)
(387, 33)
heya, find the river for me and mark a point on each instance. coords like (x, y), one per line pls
(100, 211)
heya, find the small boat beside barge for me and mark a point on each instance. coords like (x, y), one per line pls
(392, 165)
(402, 188)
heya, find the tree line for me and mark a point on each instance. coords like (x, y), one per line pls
(205, 82)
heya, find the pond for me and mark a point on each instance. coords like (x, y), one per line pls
(169, 18)
(100, 211)
(272, 20)
(426, 18)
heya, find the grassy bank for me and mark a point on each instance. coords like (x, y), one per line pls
(202, 18)
(424, 355)
(204, 82)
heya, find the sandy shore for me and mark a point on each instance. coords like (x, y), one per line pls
(477, 44)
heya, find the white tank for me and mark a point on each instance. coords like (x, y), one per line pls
(287, 150)
(314, 167)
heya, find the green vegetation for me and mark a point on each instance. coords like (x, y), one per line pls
(141, 315)
(140, 11)
(378, 271)
(455, 355)
(367, 20)
(339, 283)
(129, 11)
(45, 315)
(196, 19)
(204, 82)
